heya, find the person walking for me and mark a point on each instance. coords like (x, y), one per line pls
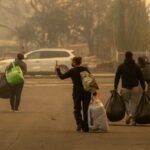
(131, 76)
(81, 98)
(16, 90)
(144, 64)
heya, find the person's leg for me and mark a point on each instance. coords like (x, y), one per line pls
(85, 101)
(77, 110)
(134, 101)
(12, 98)
(18, 95)
(126, 94)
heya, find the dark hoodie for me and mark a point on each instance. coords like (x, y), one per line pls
(131, 75)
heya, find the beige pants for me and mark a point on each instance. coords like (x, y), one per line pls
(131, 98)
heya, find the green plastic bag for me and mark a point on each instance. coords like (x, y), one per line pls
(14, 75)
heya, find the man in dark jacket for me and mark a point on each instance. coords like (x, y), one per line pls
(81, 97)
(131, 76)
(16, 90)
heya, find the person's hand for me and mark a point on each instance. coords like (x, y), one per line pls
(57, 66)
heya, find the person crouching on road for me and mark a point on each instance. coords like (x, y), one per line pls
(16, 90)
(81, 97)
(131, 76)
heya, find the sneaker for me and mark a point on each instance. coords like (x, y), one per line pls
(11, 110)
(16, 110)
(79, 128)
(128, 119)
(85, 129)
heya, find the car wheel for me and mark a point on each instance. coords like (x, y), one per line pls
(63, 68)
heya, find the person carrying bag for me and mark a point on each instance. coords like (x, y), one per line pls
(81, 97)
(15, 77)
(132, 78)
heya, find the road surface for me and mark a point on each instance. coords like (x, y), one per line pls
(45, 122)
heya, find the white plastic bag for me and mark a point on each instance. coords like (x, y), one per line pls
(97, 118)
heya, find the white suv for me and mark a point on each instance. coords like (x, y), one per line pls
(42, 61)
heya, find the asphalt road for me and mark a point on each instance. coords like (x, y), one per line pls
(46, 122)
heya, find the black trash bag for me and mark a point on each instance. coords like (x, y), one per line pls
(143, 110)
(115, 107)
(5, 90)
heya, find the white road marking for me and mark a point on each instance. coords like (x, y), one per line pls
(63, 84)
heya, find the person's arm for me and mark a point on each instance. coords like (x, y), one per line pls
(117, 77)
(60, 75)
(141, 79)
(87, 69)
(63, 76)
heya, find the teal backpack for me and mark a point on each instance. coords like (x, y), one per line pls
(14, 75)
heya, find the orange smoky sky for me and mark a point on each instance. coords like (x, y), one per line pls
(148, 1)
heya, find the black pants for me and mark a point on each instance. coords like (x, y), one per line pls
(81, 102)
(15, 97)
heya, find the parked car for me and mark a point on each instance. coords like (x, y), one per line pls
(42, 61)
